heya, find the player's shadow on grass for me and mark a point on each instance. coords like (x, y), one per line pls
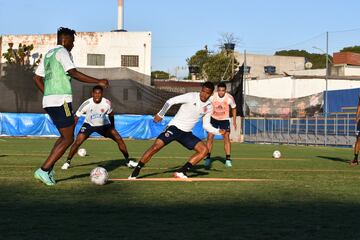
(192, 173)
(3, 155)
(109, 165)
(335, 159)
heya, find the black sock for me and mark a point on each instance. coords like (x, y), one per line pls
(137, 169)
(356, 157)
(185, 168)
(68, 160)
(227, 157)
(126, 156)
(208, 155)
(45, 170)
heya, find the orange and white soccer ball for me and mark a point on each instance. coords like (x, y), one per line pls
(276, 154)
(99, 176)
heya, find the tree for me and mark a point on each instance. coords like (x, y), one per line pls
(159, 75)
(18, 74)
(198, 60)
(354, 49)
(317, 60)
(218, 67)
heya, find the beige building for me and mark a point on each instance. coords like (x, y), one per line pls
(269, 66)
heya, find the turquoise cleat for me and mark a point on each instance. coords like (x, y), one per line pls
(44, 177)
(52, 175)
(228, 163)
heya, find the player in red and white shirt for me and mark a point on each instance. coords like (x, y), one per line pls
(222, 102)
(99, 117)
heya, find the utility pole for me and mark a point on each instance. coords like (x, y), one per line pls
(326, 87)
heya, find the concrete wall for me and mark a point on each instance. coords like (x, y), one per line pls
(112, 44)
(282, 64)
(288, 87)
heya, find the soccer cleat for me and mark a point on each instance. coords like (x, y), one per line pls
(354, 162)
(207, 163)
(180, 175)
(228, 163)
(52, 175)
(131, 164)
(65, 166)
(132, 178)
(43, 177)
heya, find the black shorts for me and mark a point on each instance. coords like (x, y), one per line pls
(87, 130)
(221, 124)
(61, 116)
(187, 139)
(357, 131)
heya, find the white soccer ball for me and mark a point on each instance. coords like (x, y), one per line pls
(276, 154)
(99, 176)
(81, 152)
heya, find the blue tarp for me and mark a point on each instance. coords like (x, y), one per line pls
(129, 126)
(342, 98)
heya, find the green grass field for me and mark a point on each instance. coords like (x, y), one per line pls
(310, 193)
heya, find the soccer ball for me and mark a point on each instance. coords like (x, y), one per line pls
(276, 154)
(81, 152)
(99, 176)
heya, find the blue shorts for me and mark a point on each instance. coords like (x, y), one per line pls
(187, 139)
(61, 116)
(220, 124)
(87, 130)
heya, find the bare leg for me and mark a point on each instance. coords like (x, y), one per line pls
(201, 151)
(74, 148)
(157, 145)
(114, 135)
(227, 146)
(209, 143)
(60, 146)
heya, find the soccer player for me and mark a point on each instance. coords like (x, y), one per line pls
(194, 105)
(99, 118)
(53, 78)
(221, 102)
(355, 161)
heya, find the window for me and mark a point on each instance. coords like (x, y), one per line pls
(125, 94)
(138, 94)
(129, 61)
(96, 59)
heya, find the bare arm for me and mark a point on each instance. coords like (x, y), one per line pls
(39, 82)
(233, 112)
(87, 79)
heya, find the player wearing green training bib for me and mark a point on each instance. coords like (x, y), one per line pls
(53, 78)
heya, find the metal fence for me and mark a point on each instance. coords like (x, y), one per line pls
(337, 129)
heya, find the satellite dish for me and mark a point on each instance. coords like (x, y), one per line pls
(308, 65)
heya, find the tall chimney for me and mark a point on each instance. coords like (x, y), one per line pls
(120, 24)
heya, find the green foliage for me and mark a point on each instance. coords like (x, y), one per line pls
(199, 59)
(21, 56)
(212, 66)
(354, 49)
(318, 60)
(159, 75)
(218, 67)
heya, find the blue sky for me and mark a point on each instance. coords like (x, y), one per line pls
(180, 28)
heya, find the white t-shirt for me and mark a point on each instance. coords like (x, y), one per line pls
(96, 114)
(191, 110)
(66, 60)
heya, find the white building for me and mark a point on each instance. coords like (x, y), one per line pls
(120, 49)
